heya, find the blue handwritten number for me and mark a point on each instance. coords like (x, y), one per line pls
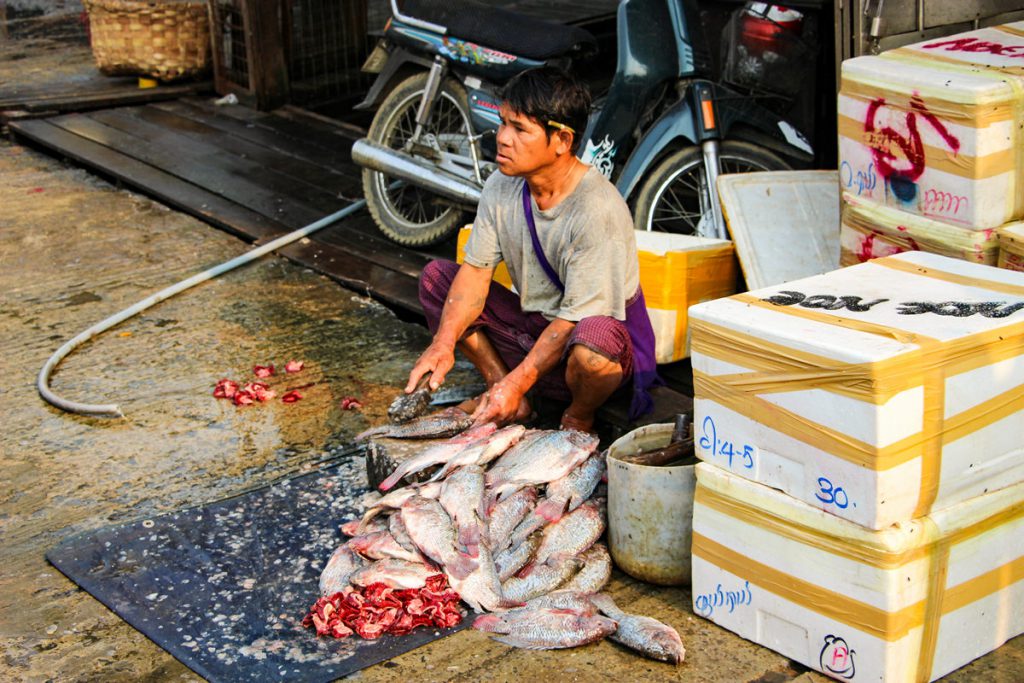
(748, 457)
(706, 442)
(832, 494)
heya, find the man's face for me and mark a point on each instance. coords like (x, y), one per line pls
(523, 144)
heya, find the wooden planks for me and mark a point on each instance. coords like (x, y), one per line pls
(254, 174)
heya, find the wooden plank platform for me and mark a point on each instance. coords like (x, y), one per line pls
(88, 92)
(254, 174)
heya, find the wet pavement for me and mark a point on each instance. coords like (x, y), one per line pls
(74, 250)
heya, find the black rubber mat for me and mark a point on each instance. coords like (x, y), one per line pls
(224, 587)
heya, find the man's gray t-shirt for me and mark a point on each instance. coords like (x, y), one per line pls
(587, 238)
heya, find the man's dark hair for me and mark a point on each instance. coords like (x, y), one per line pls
(547, 93)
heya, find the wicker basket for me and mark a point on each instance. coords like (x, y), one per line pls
(164, 40)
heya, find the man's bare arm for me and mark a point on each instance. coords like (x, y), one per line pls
(502, 400)
(465, 302)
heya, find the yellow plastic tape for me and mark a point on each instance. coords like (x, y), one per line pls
(968, 115)
(955, 278)
(940, 158)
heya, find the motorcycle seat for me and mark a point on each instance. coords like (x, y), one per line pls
(501, 29)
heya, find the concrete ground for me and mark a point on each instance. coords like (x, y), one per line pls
(74, 250)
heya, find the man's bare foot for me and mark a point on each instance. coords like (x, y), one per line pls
(578, 423)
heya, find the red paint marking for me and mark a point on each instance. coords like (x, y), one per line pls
(978, 45)
(910, 146)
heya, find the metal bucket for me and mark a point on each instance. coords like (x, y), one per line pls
(650, 511)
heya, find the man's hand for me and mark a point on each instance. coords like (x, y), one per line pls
(500, 404)
(438, 359)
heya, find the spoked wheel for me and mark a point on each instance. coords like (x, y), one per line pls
(674, 196)
(405, 213)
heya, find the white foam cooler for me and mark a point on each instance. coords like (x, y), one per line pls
(877, 392)
(934, 128)
(868, 230)
(909, 603)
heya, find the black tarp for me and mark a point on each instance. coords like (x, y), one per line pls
(224, 587)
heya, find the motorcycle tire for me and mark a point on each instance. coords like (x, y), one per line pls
(674, 196)
(406, 214)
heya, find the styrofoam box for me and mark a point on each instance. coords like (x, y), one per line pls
(868, 230)
(877, 392)
(1011, 246)
(934, 128)
(909, 603)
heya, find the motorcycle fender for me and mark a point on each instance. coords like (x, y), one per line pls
(742, 118)
(398, 59)
(677, 122)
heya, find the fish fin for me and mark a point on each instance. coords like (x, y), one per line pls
(487, 622)
(526, 570)
(463, 566)
(469, 537)
(550, 509)
(606, 605)
(519, 642)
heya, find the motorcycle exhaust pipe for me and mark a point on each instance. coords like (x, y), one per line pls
(377, 157)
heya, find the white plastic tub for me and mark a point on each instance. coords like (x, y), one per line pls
(910, 603)
(649, 511)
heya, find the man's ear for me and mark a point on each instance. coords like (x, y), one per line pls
(565, 139)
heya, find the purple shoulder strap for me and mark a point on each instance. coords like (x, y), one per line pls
(552, 275)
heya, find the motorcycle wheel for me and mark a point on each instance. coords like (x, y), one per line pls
(407, 214)
(674, 196)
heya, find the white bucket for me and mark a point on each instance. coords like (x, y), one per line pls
(650, 510)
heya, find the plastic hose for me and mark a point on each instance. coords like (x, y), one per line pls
(112, 409)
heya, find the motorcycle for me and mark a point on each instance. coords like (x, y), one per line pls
(662, 132)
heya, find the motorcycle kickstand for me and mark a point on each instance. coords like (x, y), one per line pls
(709, 149)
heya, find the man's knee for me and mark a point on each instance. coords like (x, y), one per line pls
(598, 340)
(588, 361)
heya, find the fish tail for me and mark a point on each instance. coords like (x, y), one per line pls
(393, 478)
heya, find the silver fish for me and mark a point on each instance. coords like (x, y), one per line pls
(647, 636)
(597, 570)
(397, 528)
(573, 533)
(569, 492)
(518, 453)
(335, 576)
(393, 573)
(483, 452)
(563, 599)
(481, 589)
(545, 628)
(380, 545)
(438, 453)
(537, 579)
(510, 560)
(506, 515)
(462, 497)
(551, 456)
(433, 533)
(434, 426)
(395, 499)
(408, 406)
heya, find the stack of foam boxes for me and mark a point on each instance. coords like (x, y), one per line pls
(931, 147)
(860, 504)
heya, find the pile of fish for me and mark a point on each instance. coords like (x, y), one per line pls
(510, 519)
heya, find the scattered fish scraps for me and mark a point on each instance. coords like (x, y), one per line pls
(257, 392)
(294, 366)
(410, 406)
(377, 609)
(351, 403)
(263, 371)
